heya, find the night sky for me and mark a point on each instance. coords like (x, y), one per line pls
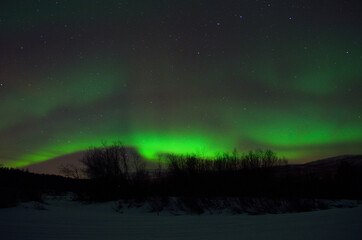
(184, 76)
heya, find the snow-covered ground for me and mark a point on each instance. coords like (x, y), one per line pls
(62, 219)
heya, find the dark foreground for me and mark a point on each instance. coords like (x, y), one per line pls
(62, 219)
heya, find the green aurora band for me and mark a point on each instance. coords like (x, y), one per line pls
(297, 93)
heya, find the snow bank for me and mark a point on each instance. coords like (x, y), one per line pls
(62, 219)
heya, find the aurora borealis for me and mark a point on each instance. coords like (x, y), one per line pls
(180, 76)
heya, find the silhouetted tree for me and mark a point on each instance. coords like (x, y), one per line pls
(71, 171)
(107, 162)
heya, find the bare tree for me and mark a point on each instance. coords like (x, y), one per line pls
(71, 171)
(106, 162)
(139, 165)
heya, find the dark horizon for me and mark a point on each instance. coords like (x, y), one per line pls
(54, 166)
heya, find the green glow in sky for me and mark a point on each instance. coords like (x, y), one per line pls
(179, 77)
